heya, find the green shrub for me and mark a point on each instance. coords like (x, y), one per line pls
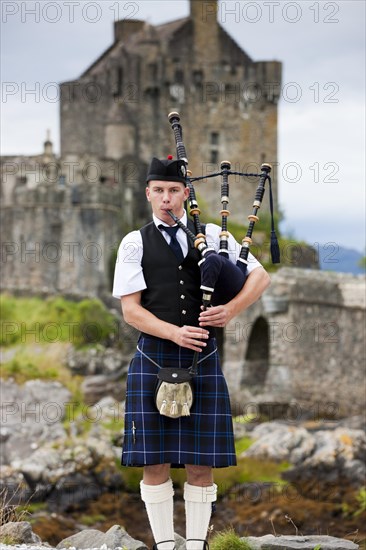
(54, 319)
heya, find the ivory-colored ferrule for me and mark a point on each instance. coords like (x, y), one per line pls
(199, 241)
(207, 289)
(257, 204)
(225, 199)
(224, 235)
(247, 241)
(225, 212)
(253, 218)
(195, 211)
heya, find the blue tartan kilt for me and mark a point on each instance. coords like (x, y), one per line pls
(203, 438)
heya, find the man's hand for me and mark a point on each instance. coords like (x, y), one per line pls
(191, 337)
(217, 316)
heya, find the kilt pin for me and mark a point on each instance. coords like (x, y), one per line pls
(203, 438)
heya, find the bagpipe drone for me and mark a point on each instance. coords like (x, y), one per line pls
(222, 280)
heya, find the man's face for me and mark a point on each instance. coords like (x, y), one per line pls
(164, 196)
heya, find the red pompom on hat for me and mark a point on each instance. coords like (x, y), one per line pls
(170, 157)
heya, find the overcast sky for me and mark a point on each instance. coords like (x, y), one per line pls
(321, 112)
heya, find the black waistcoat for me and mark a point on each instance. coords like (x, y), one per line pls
(173, 290)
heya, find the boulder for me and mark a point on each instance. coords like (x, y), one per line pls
(18, 532)
(281, 442)
(96, 361)
(326, 454)
(96, 387)
(32, 414)
(115, 537)
(340, 453)
(270, 542)
(59, 459)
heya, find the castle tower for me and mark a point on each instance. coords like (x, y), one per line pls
(227, 102)
(205, 30)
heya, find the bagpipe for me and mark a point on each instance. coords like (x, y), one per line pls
(221, 279)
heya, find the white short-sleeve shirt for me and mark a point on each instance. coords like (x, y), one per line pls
(128, 274)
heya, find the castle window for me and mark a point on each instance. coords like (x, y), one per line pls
(153, 72)
(214, 157)
(118, 83)
(179, 76)
(198, 78)
(215, 138)
(62, 180)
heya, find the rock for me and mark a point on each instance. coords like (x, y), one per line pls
(67, 473)
(270, 542)
(18, 533)
(326, 454)
(339, 453)
(94, 388)
(115, 537)
(96, 361)
(32, 414)
(357, 422)
(280, 442)
(103, 369)
(180, 543)
(10, 482)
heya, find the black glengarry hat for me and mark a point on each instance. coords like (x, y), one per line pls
(167, 170)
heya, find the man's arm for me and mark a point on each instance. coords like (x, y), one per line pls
(143, 320)
(219, 316)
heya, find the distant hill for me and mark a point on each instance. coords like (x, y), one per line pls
(336, 258)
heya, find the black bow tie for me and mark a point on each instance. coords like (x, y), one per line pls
(174, 244)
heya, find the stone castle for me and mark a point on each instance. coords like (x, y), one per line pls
(64, 216)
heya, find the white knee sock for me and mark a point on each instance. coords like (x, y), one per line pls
(158, 501)
(198, 502)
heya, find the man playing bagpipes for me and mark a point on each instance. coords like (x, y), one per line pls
(158, 279)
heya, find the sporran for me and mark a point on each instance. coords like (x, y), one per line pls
(174, 392)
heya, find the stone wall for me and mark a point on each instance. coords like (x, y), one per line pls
(60, 239)
(303, 340)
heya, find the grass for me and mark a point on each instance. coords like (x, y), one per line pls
(248, 470)
(228, 540)
(92, 520)
(8, 539)
(46, 362)
(242, 445)
(54, 319)
(357, 506)
(11, 512)
(36, 335)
